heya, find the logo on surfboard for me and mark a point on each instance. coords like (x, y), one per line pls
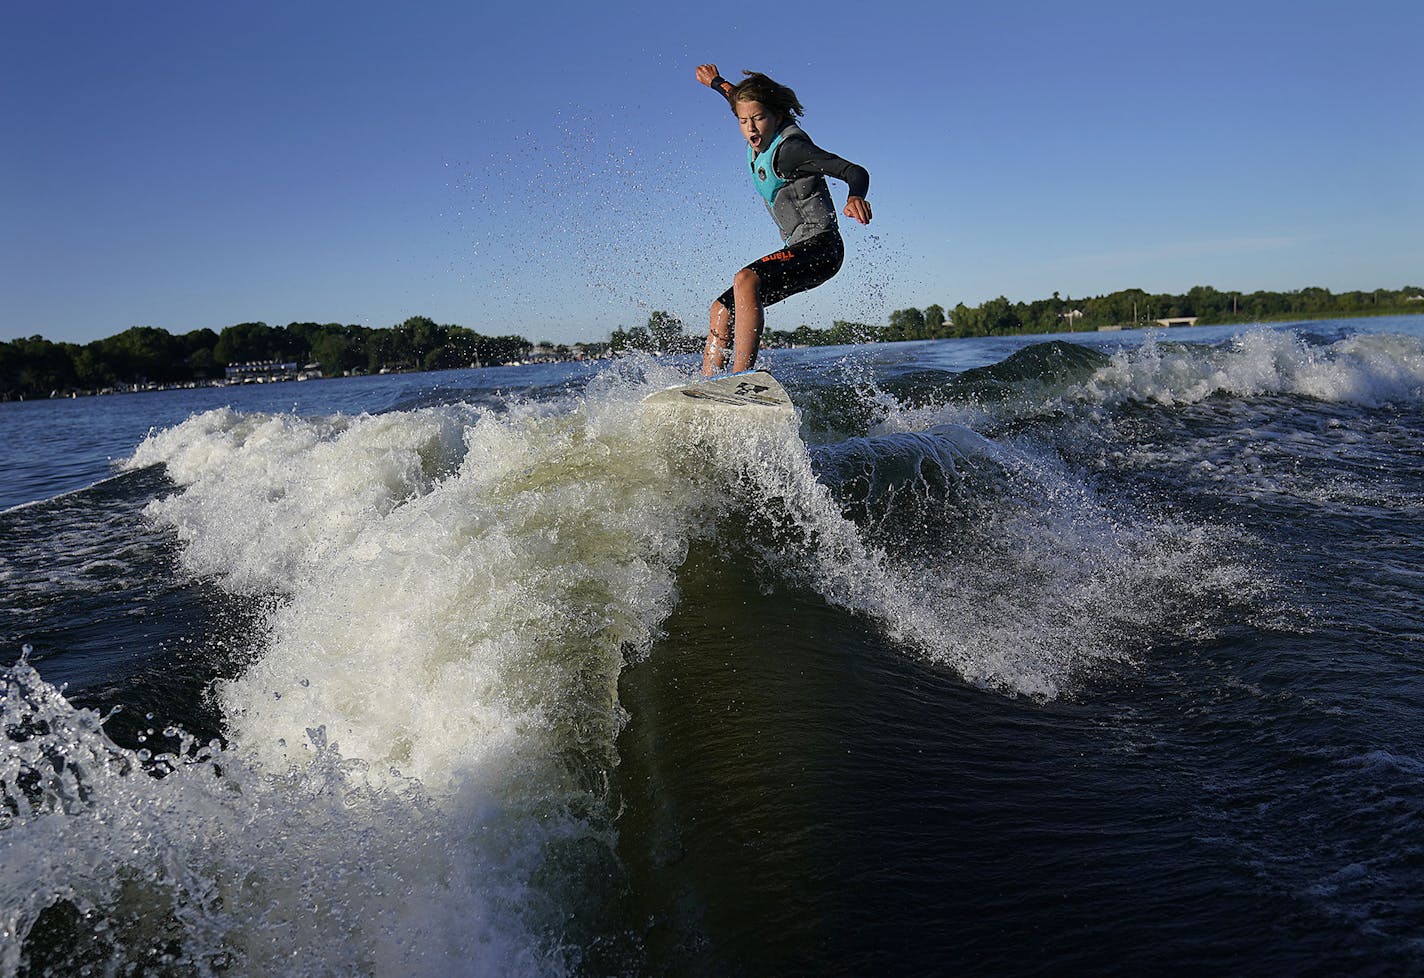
(746, 392)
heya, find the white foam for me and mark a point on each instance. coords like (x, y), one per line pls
(458, 592)
(222, 868)
(1366, 369)
(269, 498)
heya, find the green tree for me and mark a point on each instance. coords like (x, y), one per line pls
(201, 365)
(1203, 300)
(144, 353)
(934, 321)
(420, 336)
(501, 349)
(246, 343)
(335, 352)
(1001, 318)
(1313, 299)
(804, 335)
(387, 348)
(665, 331)
(92, 371)
(905, 324)
(967, 321)
(35, 367)
(439, 358)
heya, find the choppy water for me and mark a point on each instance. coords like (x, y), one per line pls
(1005, 656)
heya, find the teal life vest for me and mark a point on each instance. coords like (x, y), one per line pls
(800, 206)
(764, 176)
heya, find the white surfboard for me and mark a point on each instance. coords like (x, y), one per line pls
(751, 389)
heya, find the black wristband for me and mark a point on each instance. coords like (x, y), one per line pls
(716, 85)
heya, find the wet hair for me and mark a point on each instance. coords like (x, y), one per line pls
(756, 87)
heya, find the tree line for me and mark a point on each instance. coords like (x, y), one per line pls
(1135, 307)
(37, 367)
(1127, 308)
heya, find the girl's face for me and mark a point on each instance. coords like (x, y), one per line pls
(759, 124)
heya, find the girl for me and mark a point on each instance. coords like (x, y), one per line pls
(789, 171)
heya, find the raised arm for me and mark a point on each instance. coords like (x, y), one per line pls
(709, 76)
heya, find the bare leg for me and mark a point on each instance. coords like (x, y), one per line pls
(719, 338)
(746, 290)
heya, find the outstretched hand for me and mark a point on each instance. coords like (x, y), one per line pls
(858, 208)
(705, 74)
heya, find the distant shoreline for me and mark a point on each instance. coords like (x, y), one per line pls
(145, 358)
(1312, 317)
(218, 384)
(196, 385)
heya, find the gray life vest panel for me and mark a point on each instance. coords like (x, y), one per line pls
(802, 207)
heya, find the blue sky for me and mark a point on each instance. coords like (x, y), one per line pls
(557, 172)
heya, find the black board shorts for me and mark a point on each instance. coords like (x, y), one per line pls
(794, 268)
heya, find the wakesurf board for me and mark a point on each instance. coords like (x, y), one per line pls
(750, 389)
